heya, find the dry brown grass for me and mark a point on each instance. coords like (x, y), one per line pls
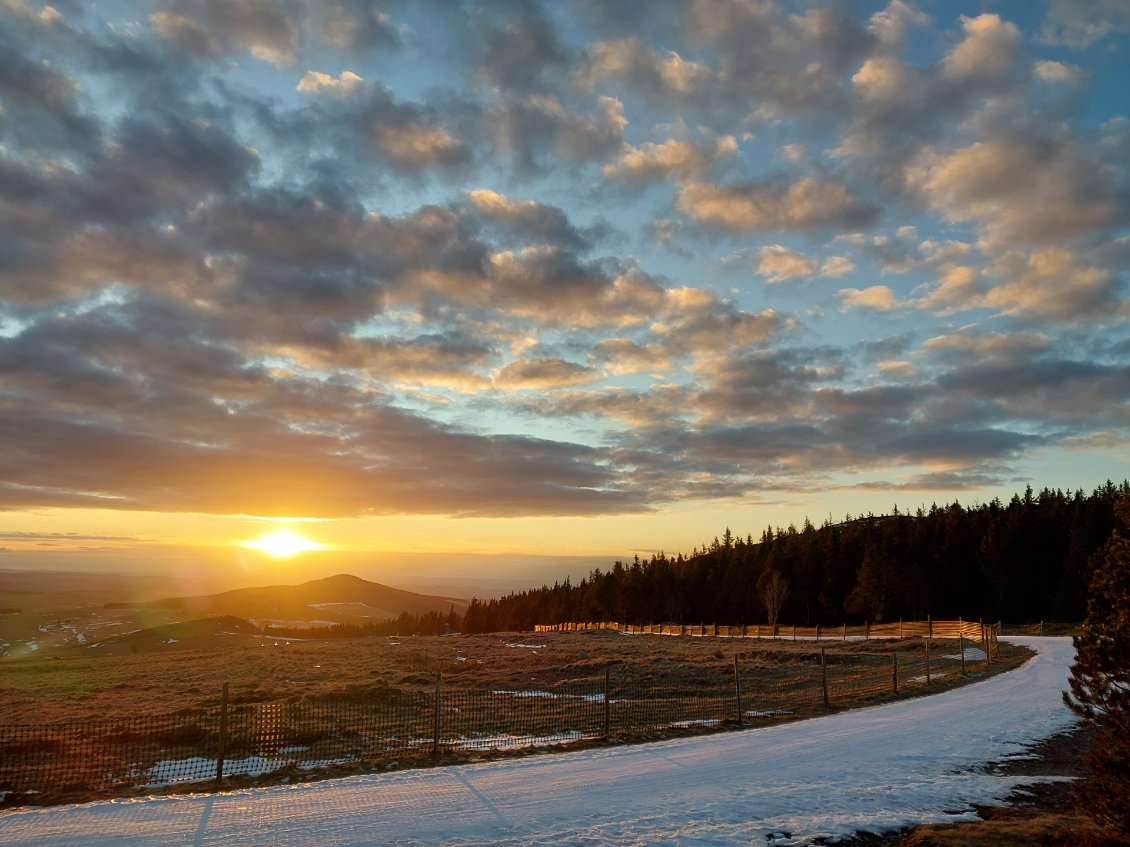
(80, 686)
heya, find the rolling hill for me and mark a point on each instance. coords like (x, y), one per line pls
(336, 599)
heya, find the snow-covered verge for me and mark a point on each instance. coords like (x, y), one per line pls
(873, 769)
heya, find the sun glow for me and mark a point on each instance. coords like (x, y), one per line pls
(282, 544)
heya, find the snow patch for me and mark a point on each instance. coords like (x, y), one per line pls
(199, 769)
(700, 722)
(588, 698)
(972, 654)
(513, 742)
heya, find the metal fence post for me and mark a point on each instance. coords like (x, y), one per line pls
(435, 720)
(738, 687)
(607, 704)
(223, 741)
(824, 677)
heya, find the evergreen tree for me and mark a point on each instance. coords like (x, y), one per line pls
(1100, 684)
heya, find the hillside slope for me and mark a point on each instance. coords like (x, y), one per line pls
(336, 599)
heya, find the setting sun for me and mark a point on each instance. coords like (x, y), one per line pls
(282, 544)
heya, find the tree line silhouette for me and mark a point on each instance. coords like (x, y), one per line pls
(1023, 561)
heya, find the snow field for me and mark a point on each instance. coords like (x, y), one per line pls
(873, 769)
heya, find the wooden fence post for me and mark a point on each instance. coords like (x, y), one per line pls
(900, 627)
(817, 631)
(738, 687)
(222, 746)
(845, 630)
(961, 643)
(824, 677)
(435, 720)
(794, 632)
(930, 625)
(867, 630)
(895, 672)
(607, 704)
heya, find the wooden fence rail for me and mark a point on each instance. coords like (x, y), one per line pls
(982, 633)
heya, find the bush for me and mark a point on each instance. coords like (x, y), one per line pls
(1100, 684)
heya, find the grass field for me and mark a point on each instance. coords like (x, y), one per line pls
(78, 725)
(77, 686)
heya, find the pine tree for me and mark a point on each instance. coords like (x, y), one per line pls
(1100, 685)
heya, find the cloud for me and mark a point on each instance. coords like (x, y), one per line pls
(540, 374)
(1082, 23)
(623, 356)
(534, 128)
(890, 24)
(802, 204)
(762, 385)
(237, 278)
(1052, 284)
(43, 104)
(697, 324)
(417, 145)
(790, 62)
(886, 83)
(354, 25)
(527, 218)
(314, 81)
(640, 66)
(958, 287)
(879, 298)
(989, 49)
(311, 475)
(836, 266)
(640, 408)
(209, 28)
(1021, 188)
(781, 264)
(1045, 390)
(673, 159)
(1050, 71)
(974, 346)
(521, 54)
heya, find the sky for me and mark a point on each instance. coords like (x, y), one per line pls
(489, 290)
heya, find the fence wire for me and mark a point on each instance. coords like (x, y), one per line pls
(276, 741)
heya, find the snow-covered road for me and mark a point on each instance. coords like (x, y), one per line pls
(871, 769)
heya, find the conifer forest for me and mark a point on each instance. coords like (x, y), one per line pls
(1023, 561)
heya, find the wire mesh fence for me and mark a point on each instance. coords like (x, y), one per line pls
(247, 742)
